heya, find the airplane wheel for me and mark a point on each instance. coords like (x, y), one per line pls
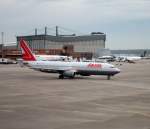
(108, 77)
(61, 76)
(72, 77)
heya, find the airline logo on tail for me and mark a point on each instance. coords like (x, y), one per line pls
(27, 54)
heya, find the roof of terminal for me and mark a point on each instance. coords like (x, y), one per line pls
(64, 38)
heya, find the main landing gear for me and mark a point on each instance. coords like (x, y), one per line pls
(108, 77)
(61, 76)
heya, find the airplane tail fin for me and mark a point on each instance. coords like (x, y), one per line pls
(27, 54)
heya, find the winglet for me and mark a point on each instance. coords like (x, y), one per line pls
(27, 54)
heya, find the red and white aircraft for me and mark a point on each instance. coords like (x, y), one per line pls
(43, 57)
(67, 69)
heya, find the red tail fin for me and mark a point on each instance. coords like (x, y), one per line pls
(27, 54)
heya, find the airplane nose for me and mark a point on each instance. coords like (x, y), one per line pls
(118, 70)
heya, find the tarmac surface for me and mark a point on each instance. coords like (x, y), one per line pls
(34, 100)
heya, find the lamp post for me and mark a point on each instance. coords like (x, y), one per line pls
(2, 34)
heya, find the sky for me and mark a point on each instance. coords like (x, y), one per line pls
(126, 23)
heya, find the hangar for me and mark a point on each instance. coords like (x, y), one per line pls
(80, 44)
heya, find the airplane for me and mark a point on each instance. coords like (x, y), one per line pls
(68, 69)
(110, 58)
(43, 57)
(129, 59)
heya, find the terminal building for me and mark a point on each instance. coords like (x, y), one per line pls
(80, 44)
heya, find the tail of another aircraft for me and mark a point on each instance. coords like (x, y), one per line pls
(27, 54)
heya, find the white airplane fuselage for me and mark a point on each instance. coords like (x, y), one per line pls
(72, 68)
(134, 58)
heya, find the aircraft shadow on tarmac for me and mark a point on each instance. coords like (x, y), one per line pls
(51, 77)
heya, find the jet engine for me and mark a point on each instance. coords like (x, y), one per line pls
(70, 74)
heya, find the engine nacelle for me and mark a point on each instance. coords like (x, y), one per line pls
(70, 73)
